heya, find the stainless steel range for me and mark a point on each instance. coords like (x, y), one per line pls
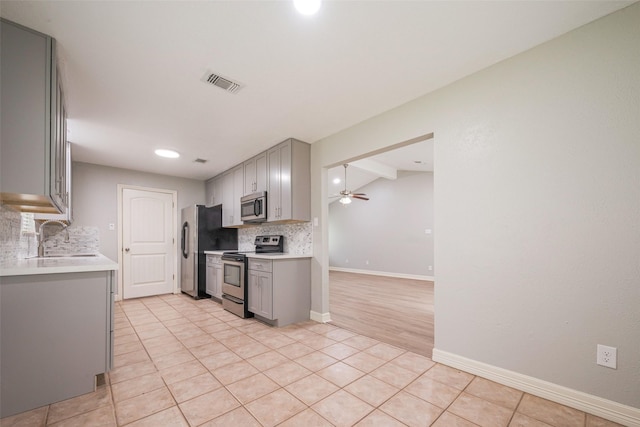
(234, 267)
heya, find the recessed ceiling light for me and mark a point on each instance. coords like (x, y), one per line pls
(336, 180)
(307, 7)
(171, 154)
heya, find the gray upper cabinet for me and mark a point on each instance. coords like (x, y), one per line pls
(288, 198)
(232, 191)
(255, 174)
(59, 177)
(66, 216)
(33, 163)
(282, 171)
(214, 188)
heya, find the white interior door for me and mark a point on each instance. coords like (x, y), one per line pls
(148, 243)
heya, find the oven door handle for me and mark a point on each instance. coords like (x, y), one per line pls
(232, 299)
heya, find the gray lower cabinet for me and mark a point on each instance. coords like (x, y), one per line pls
(280, 290)
(214, 276)
(261, 294)
(56, 335)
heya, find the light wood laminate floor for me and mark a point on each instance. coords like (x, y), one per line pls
(392, 310)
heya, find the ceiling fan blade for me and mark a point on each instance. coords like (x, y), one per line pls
(359, 197)
(359, 194)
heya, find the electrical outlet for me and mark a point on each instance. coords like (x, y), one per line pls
(112, 226)
(607, 356)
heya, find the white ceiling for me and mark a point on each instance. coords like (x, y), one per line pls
(414, 157)
(132, 69)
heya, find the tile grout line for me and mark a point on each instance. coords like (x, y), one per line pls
(161, 307)
(341, 388)
(515, 411)
(157, 370)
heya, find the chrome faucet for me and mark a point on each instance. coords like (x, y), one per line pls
(41, 238)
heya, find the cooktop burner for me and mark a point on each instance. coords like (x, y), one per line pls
(271, 244)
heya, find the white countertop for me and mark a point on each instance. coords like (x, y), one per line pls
(264, 256)
(278, 256)
(216, 252)
(52, 265)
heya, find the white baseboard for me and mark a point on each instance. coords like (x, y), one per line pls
(320, 317)
(607, 409)
(383, 273)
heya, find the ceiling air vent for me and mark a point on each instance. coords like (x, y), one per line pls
(200, 161)
(222, 82)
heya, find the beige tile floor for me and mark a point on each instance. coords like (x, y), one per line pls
(181, 362)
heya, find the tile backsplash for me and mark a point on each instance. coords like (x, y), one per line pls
(14, 243)
(82, 240)
(297, 237)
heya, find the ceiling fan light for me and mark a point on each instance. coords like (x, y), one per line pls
(345, 200)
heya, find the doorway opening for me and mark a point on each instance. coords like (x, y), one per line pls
(381, 260)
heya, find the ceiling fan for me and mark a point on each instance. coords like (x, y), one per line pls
(346, 195)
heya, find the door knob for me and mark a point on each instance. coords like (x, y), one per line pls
(126, 249)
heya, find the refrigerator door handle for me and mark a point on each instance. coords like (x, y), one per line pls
(185, 237)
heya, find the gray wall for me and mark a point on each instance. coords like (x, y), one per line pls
(388, 231)
(95, 198)
(536, 207)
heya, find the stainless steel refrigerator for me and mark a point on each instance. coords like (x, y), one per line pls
(201, 231)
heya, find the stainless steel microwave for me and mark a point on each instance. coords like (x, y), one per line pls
(253, 207)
